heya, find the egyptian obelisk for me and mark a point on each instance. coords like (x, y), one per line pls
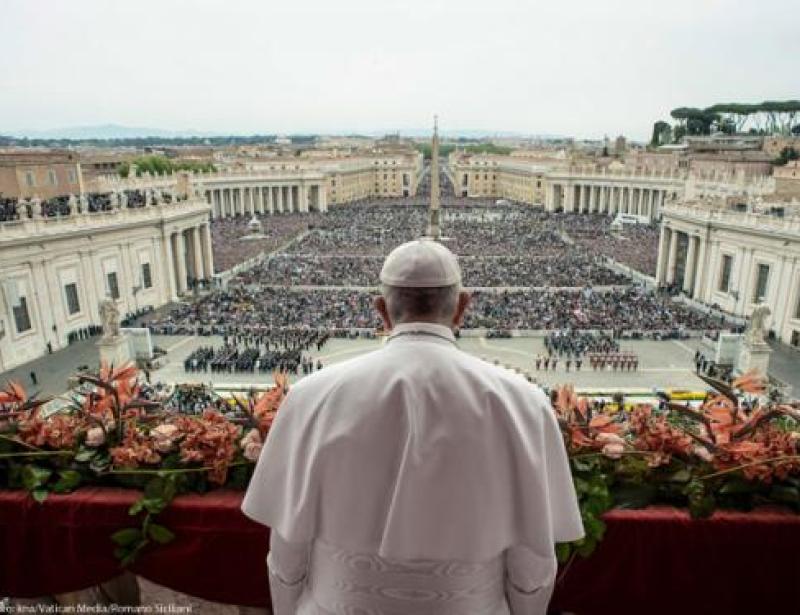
(434, 228)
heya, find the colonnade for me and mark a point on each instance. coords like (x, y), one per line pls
(188, 255)
(680, 258)
(229, 201)
(605, 198)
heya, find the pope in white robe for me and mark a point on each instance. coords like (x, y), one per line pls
(416, 479)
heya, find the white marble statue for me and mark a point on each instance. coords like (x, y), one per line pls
(109, 314)
(72, 204)
(36, 207)
(757, 328)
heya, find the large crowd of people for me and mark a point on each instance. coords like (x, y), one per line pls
(631, 311)
(231, 249)
(636, 246)
(500, 271)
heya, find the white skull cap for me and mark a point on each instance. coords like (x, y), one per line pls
(423, 263)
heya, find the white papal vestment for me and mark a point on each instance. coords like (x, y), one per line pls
(414, 480)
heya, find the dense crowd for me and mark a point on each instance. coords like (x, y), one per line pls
(636, 246)
(230, 249)
(299, 270)
(632, 310)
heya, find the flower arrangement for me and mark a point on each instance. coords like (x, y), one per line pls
(728, 452)
(111, 434)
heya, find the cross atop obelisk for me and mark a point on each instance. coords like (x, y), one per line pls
(434, 228)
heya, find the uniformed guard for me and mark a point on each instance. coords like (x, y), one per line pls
(415, 479)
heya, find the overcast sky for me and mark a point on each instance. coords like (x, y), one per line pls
(568, 67)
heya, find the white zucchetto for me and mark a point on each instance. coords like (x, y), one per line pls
(423, 263)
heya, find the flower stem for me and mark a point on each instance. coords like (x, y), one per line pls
(36, 454)
(751, 464)
(20, 442)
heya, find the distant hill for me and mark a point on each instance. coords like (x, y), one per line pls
(107, 131)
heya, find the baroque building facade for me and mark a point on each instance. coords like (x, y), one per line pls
(735, 255)
(55, 271)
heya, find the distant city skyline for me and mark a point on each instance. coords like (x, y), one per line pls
(572, 69)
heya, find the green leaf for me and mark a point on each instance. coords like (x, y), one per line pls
(585, 546)
(701, 503)
(681, 476)
(100, 463)
(136, 507)
(40, 495)
(629, 495)
(563, 551)
(68, 481)
(34, 476)
(160, 488)
(121, 552)
(781, 493)
(85, 455)
(127, 537)
(736, 486)
(160, 534)
(154, 505)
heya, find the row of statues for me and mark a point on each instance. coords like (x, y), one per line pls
(80, 204)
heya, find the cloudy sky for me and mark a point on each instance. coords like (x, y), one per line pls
(582, 68)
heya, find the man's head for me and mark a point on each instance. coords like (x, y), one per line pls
(421, 282)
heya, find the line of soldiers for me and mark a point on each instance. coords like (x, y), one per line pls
(618, 361)
(280, 338)
(551, 362)
(232, 359)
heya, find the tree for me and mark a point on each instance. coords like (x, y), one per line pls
(662, 133)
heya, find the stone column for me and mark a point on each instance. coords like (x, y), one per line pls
(691, 261)
(270, 202)
(672, 258)
(197, 251)
(323, 199)
(169, 268)
(260, 200)
(208, 252)
(661, 263)
(280, 199)
(210, 198)
(292, 204)
(302, 195)
(591, 198)
(699, 269)
(180, 249)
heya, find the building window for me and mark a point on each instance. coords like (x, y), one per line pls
(22, 319)
(762, 279)
(113, 286)
(72, 177)
(29, 179)
(51, 176)
(147, 280)
(73, 304)
(725, 273)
